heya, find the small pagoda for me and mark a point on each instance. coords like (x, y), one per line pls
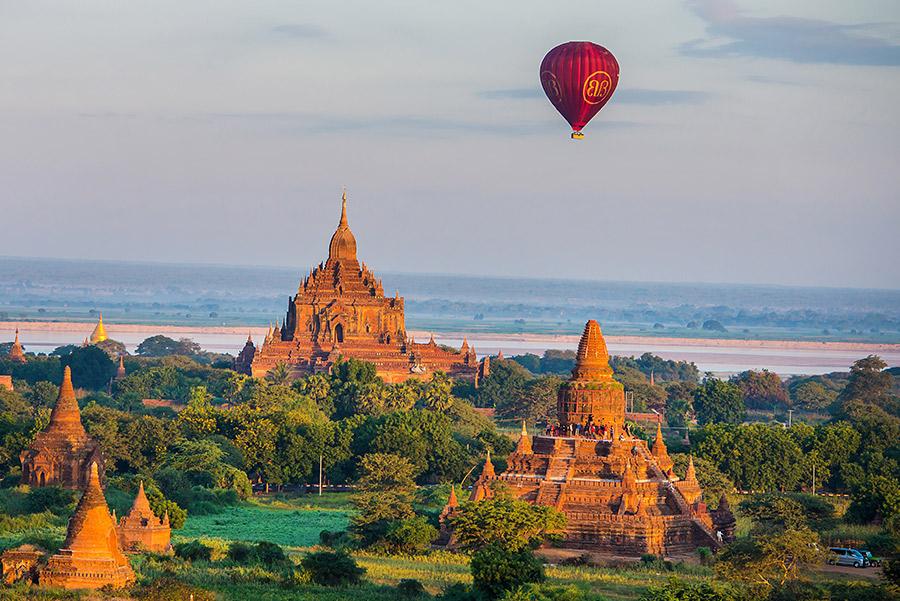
(91, 557)
(16, 353)
(141, 530)
(619, 496)
(62, 454)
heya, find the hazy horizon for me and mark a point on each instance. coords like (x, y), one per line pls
(747, 143)
(301, 271)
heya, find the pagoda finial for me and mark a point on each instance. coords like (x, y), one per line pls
(691, 475)
(488, 471)
(524, 446)
(452, 502)
(141, 503)
(66, 417)
(99, 333)
(343, 243)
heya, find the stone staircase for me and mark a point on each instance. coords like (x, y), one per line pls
(550, 494)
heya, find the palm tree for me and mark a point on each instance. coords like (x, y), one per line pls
(280, 374)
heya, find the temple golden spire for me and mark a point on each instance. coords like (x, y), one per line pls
(99, 333)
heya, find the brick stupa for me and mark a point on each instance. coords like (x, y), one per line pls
(62, 454)
(619, 496)
(340, 310)
(16, 353)
(91, 557)
(141, 530)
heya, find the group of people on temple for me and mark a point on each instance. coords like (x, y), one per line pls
(587, 430)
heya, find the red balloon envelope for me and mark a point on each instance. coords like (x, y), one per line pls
(579, 78)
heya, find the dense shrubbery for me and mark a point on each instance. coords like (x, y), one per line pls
(332, 568)
(497, 569)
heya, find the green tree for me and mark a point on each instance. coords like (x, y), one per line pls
(161, 346)
(280, 374)
(504, 386)
(813, 396)
(761, 389)
(385, 494)
(497, 569)
(508, 523)
(199, 417)
(679, 403)
(868, 382)
(716, 401)
(437, 393)
(770, 560)
(44, 394)
(91, 367)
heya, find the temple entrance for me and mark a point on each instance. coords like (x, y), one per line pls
(339, 333)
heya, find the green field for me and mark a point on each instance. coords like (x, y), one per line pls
(288, 527)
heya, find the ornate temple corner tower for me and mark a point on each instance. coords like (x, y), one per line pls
(340, 310)
(91, 557)
(62, 454)
(445, 535)
(16, 353)
(618, 495)
(141, 530)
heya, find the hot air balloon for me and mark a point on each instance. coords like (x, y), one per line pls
(579, 78)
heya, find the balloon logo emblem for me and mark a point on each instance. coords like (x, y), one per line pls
(596, 87)
(551, 86)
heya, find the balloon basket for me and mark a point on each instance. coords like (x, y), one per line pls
(577, 135)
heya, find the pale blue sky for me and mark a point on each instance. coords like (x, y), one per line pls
(747, 142)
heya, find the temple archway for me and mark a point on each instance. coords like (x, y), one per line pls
(339, 333)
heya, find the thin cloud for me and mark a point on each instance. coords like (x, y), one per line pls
(658, 97)
(398, 125)
(299, 31)
(512, 94)
(642, 96)
(794, 39)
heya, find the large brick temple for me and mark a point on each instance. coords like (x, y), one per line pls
(619, 495)
(340, 310)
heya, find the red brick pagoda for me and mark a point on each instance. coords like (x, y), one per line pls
(340, 310)
(62, 453)
(618, 495)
